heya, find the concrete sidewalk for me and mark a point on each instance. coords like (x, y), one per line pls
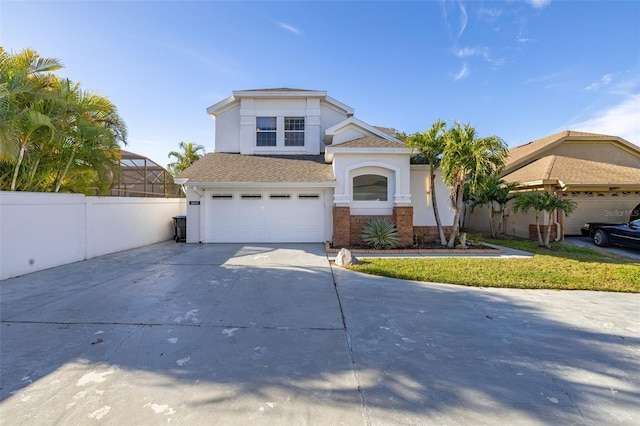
(272, 334)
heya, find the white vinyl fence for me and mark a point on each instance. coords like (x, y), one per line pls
(41, 230)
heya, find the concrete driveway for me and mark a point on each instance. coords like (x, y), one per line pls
(272, 334)
(617, 250)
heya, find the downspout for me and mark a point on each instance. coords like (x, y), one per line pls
(202, 214)
(559, 227)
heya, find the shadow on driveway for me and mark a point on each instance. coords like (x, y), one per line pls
(237, 334)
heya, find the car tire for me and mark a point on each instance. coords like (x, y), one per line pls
(600, 238)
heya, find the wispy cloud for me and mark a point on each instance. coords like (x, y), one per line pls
(539, 4)
(483, 52)
(464, 19)
(490, 15)
(289, 28)
(466, 52)
(211, 60)
(562, 79)
(603, 82)
(462, 74)
(617, 120)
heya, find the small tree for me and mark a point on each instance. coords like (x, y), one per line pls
(543, 201)
(190, 153)
(502, 196)
(484, 197)
(466, 159)
(492, 190)
(429, 146)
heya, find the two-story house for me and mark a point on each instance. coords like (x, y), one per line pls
(294, 165)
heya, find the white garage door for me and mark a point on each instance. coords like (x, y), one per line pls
(606, 207)
(269, 216)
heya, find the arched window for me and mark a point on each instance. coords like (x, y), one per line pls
(370, 188)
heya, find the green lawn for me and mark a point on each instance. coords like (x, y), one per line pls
(564, 267)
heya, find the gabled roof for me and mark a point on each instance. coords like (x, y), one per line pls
(370, 142)
(228, 168)
(388, 130)
(275, 89)
(568, 171)
(361, 126)
(280, 93)
(367, 145)
(528, 152)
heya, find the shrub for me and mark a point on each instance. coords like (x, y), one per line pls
(380, 233)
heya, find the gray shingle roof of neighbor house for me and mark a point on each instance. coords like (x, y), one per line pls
(220, 167)
(574, 171)
(369, 142)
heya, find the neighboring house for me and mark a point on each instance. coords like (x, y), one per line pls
(295, 165)
(600, 173)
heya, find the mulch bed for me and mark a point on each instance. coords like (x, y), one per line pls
(423, 249)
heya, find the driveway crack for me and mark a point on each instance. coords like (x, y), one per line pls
(555, 382)
(354, 366)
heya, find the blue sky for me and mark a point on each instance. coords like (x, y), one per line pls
(520, 70)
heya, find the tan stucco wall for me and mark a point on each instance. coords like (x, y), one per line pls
(600, 151)
(515, 224)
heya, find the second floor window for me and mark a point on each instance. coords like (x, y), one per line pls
(266, 131)
(294, 131)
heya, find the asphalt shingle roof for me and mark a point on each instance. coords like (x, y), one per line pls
(575, 171)
(522, 151)
(220, 167)
(370, 142)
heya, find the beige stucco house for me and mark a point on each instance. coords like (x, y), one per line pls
(600, 173)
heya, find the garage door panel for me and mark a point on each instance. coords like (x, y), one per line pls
(267, 216)
(602, 207)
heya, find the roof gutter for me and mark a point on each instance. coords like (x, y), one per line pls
(328, 184)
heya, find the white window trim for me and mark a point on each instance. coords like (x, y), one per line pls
(371, 207)
(266, 132)
(303, 132)
(280, 132)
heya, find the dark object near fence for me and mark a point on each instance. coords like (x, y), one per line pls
(180, 229)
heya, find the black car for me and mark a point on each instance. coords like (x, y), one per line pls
(635, 214)
(624, 234)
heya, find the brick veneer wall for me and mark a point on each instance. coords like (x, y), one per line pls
(358, 222)
(429, 234)
(404, 223)
(341, 226)
(347, 228)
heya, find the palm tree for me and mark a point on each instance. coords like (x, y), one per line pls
(466, 159)
(23, 78)
(528, 201)
(429, 146)
(91, 130)
(502, 195)
(492, 190)
(484, 197)
(49, 128)
(543, 201)
(189, 155)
